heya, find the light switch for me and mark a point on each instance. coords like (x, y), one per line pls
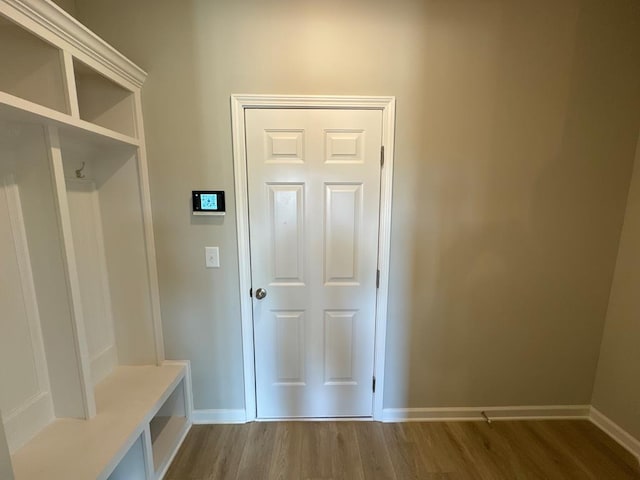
(212, 257)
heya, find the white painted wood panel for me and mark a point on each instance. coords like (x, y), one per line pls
(339, 339)
(86, 224)
(17, 354)
(343, 222)
(284, 146)
(286, 214)
(344, 146)
(25, 397)
(314, 184)
(119, 196)
(290, 348)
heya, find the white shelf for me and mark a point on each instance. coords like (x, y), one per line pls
(71, 449)
(166, 440)
(15, 109)
(103, 102)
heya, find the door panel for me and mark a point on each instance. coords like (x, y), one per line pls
(343, 222)
(314, 182)
(287, 244)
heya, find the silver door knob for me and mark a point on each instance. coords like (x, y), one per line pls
(261, 293)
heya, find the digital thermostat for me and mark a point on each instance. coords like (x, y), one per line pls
(208, 202)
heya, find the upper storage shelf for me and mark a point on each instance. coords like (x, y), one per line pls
(56, 72)
(103, 102)
(36, 72)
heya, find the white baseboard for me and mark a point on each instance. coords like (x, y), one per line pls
(615, 431)
(544, 412)
(103, 364)
(204, 417)
(24, 423)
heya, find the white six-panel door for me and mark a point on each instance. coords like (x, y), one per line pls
(314, 186)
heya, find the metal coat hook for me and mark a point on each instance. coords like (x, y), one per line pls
(79, 171)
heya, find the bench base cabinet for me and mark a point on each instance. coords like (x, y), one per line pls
(89, 394)
(119, 440)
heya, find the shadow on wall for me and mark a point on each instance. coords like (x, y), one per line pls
(518, 203)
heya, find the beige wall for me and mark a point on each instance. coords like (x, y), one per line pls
(516, 130)
(68, 5)
(617, 389)
(6, 471)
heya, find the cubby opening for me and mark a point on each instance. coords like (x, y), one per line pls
(104, 102)
(167, 426)
(36, 72)
(104, 198)
(132, 466)
(38, 342)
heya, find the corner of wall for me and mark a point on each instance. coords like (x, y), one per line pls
(6, 470)
(614, 376)
(615, 270)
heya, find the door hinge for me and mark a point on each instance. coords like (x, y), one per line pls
(374, 385)
(382, 156)
(377, 278)
(251, 292)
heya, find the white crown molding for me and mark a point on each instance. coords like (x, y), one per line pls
(66, 28)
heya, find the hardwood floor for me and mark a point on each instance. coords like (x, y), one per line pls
(529, 450)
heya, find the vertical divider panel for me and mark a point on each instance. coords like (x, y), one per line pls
(81, 348)
(148, 452)
(71, 91)
(145, 198)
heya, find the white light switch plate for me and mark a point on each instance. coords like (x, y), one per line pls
(212, 257)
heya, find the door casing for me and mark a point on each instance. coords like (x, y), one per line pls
(242, 102)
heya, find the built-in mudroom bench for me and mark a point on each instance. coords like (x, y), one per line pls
(85, 391)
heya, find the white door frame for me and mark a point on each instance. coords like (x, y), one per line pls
(239, 103)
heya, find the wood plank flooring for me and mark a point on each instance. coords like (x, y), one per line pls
(526, 450)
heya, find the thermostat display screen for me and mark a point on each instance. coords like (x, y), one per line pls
(208, 202)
